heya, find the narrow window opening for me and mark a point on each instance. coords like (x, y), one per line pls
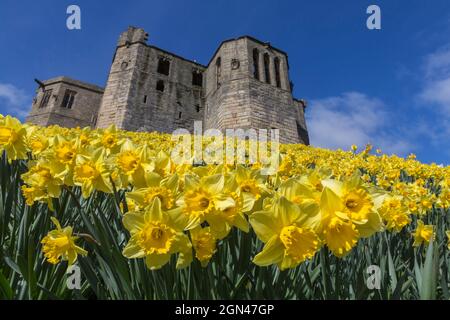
(145, 99)
(179, 115)
(218, 70)
(160, 85)
(256, 63)
(267, 67)
(197, 78)
(276, 61)
(197, 108)
(69, 97)
(45, 98)
(163, 66)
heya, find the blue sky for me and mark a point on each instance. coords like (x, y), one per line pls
(389, 87)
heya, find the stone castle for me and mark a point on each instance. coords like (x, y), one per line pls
(245, 85)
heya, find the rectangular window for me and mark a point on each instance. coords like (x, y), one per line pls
(45, 98)
(197, 78)
(160, 85)
(69, 97)
(163, 66)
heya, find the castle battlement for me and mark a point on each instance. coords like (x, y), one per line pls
(245, 85)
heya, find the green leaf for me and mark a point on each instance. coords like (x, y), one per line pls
(429, 275)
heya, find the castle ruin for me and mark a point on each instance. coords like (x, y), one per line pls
(245, 85)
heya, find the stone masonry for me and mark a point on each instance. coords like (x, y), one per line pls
(245, 85)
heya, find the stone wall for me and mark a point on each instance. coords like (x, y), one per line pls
(83, 110)
(132, 100)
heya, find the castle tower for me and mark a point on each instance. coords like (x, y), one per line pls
(247, 86)
(150, 89)
(65, 102)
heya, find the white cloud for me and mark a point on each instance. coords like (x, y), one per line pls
(354, 118)
(13, 101)
(436, 86)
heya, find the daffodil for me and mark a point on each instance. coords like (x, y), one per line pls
(109, 140)
(288, 241)
(156, 235)
(91, 173)
(42, 175)
(202, 197)
(357, 204)
(337, 229)
(394, 213)
(59, 244)
(448, 238)
(204, 244)
(36, 141)
(423, 233)
(12, 138)
(132, 164)
(156, 187)
(444, 198)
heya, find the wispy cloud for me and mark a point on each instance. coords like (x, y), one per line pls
(13, 101)
(354, 118)
(436, 86)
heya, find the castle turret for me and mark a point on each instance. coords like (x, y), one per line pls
(66, 102)
(247, 86)
(150, 89)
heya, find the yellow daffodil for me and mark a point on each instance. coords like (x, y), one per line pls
(156, 187)
(156, 235)
(12, 138)
(204, 244)
(448, 239)
(357, 204)
(394, 213)
(132, 164)
(91, 173)
(423, 234)
(59, 244)
(42, 175)
(203, 197)
(338, 230)
(251, 183)
(288, 241)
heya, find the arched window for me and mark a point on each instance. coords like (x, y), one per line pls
(276, 61)
(256, 63)
(267, 67)
(218, 70)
